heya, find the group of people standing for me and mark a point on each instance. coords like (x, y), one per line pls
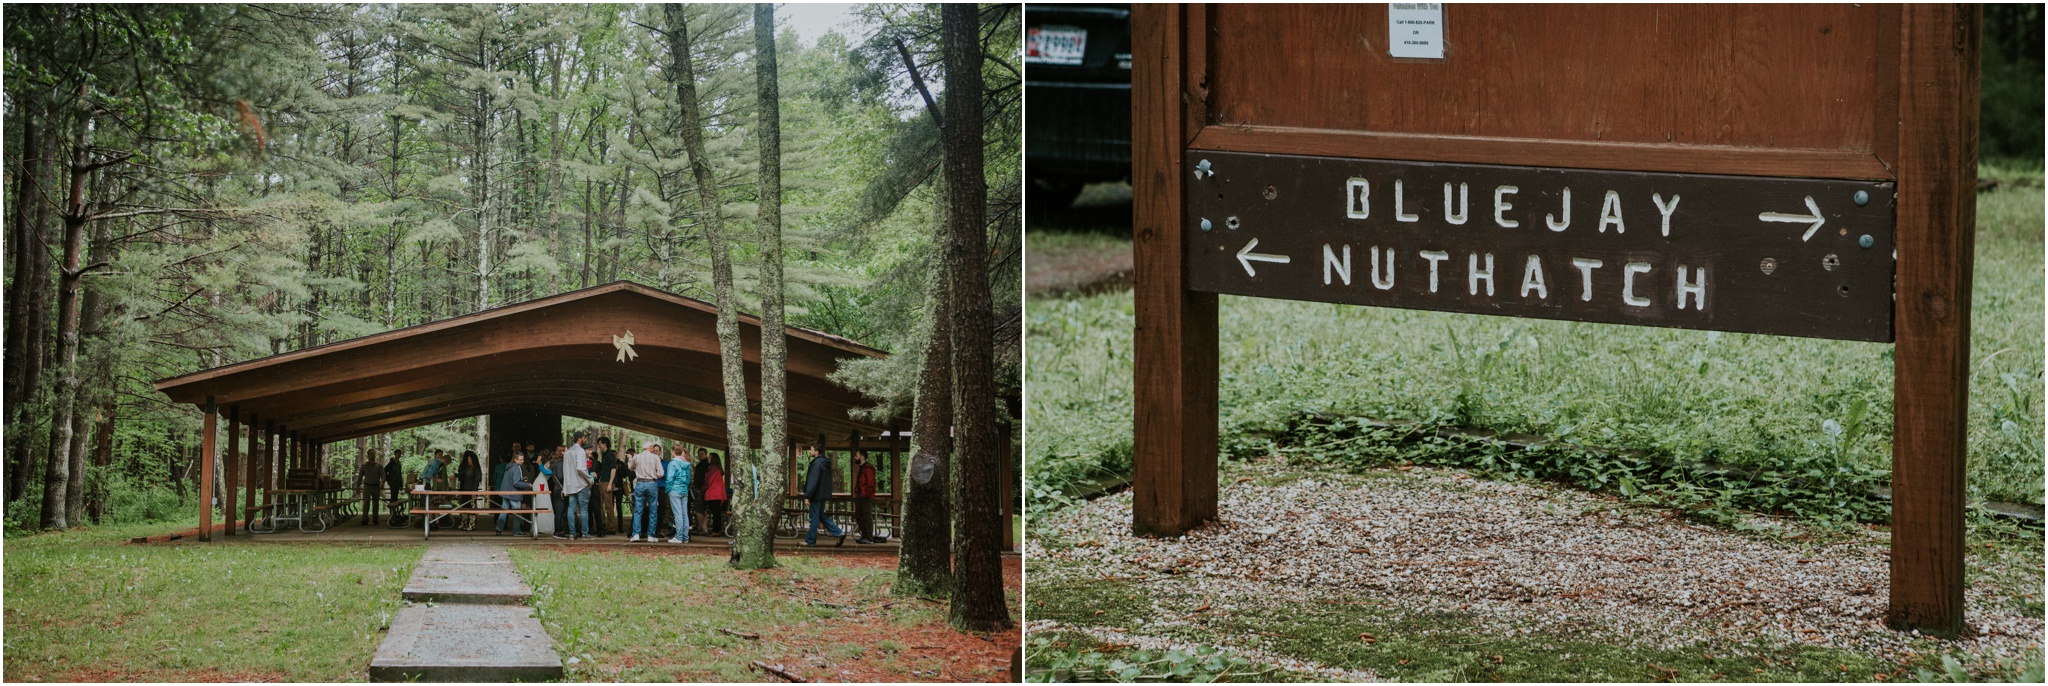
(593, 487)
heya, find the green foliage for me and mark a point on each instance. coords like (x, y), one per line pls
(1056, 661)
(1818, 486)
(305, 174)
(2010, 106)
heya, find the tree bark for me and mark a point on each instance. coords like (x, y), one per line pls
(102, 456)
(759, 552)
(759, 499)
(30, 263)
(98, 367)
(924, 565)
(57, 472)
(977, 602)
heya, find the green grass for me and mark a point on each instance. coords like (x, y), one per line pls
(1694, 396)
(1453, 646)
(625, 616)
(87, 606)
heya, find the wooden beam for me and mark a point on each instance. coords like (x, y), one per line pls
(1174, 459)
(269, 462)
(1937, 220)
(698, 381)
(250, 466)
(595, 407)
(208, 428)
(234, 467)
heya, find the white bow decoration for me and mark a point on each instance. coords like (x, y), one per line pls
(625, 346)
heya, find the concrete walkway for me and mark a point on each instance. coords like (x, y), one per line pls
(469, 622)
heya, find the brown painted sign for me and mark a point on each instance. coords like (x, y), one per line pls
(1798, 257)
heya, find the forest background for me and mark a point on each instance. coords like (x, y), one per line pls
(247, 180)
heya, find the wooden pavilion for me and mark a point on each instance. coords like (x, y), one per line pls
(525, 366)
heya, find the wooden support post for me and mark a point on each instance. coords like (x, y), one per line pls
(233, 464)
(208, 428)
(251, 463)
(853, 446)
(1174, 461)
(896, 472)
(269, 461)
(1937, 222)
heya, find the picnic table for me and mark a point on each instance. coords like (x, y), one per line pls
(471, 503)
(302, 506)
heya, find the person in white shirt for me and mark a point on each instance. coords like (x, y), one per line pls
(647, 473)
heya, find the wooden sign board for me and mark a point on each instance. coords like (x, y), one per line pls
(1799, 257)
(1803, 170)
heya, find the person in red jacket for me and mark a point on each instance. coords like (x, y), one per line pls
(712, 476)
(864, 498)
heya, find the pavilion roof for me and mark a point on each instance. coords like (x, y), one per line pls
(553, 354)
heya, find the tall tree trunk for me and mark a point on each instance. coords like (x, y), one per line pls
(759, 499)
(57, 473)
(585, 281)
(760, 552)
(99, 366)
(924, 565)
(30, 264)
(103, 456)
(977, 602)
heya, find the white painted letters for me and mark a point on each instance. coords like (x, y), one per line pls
(1464, 196)
(1435, 257)
(1586, 268)
(1357, 196)
(1501, 206)
(1532, 279)
(1610, 212)
(1698, 289)
(1388, 284)
(1628, 283)
(1472, 287)
(1399, 215)
(1554, 222)
(1330, 264)
(1665, 210)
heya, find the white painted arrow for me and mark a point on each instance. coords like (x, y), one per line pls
(1815, 219)
(1246, 257)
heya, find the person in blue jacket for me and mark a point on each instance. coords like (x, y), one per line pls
(818, 489)
(676, 474)
(514, 480)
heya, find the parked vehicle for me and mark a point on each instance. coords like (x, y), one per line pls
(1077, 84)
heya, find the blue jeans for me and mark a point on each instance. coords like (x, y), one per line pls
(817, 518)
(513, 502)
(679, 503)
(579, 513)
(646, 507)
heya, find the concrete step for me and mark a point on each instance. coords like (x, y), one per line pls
(466, 643)
(472, 574)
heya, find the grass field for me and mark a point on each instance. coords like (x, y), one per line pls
(1692, 396)
(87, 606)
(651, 616)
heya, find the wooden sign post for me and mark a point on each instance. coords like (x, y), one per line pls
(1791, 170)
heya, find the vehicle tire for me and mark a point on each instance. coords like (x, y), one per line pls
(1052, 193)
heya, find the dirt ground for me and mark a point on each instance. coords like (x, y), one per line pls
(876, 639)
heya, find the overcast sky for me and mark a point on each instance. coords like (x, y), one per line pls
(813, 20)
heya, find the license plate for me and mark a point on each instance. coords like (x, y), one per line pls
(1056, 45)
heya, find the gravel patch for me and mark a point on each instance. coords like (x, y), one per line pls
(1518, 558)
